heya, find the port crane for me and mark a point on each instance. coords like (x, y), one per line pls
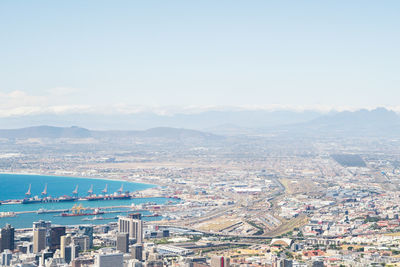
(90, 192)
(121, 189)
(105, 189)
(76, 209)
(28, 194)
(75, 192)
(44, 193)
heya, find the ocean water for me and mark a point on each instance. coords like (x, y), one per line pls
(14, 186)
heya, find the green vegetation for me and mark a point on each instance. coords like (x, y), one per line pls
(161, 241)
(371, 219)
(289, 254)
(297, 222)
(260, 229)
(333, 246)
(375, 227)
(223, 248)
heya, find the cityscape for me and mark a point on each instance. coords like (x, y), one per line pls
(199, 133)
(260, 201)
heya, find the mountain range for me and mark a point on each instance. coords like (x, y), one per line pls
(213, 125)
(52, 132)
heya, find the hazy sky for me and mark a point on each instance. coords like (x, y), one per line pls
(71, 55)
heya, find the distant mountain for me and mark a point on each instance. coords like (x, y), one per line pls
(46, 132)
(361, 118)
(377, 122)
(158, 132)
(77, 132)
(204, 121)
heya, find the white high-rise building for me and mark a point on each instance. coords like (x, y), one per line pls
(133, 225)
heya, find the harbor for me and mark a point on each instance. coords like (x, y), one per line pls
(120, 194)
(31, 198)
(99, 213)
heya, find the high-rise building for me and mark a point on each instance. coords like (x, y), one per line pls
(5, 258)
(123, 242)
(7, 238)
(74, 252)
(66, 253)
(64, 242)
(110, 260)
(70, 253)
(47, 226)
(39, 239)
(42, 224)
(133, 225)
(55, 237)
(220, 261)
(82, 241)
(88, 231)
(137, 251)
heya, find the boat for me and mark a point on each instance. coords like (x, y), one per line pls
(43, 211)
(46, 199)
(108, 197)
(7, 214)
(36, 199)
(31, 200)
(77, 211)
(81, 214)
(11, 201)
(66, 199)
(96, 218)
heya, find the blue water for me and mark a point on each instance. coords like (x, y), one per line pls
(14, 186)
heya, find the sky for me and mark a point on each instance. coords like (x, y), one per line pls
(125, 56)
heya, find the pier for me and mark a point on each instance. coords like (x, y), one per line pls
(44, 198)
(105, 210)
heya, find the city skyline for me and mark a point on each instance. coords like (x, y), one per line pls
(199, 133)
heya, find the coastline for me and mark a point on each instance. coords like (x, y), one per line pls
(148, 192)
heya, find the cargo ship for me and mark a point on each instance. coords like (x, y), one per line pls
(7, 214)
(116, 196)
(45, 199)
(78, 211)
(96, 218)
(29, 199)
(81, 214)
(36, 199)
(44, 211)
(108, 197)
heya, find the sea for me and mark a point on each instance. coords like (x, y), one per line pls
(14, 186)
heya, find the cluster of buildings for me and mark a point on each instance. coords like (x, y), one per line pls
(84, 245)
(255, 202)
